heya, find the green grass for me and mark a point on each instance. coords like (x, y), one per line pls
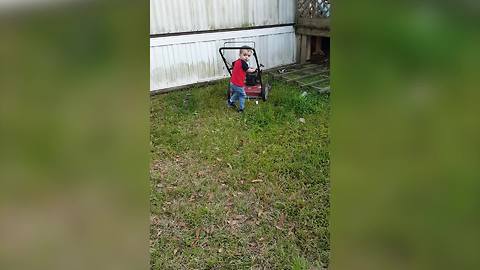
(239, 191)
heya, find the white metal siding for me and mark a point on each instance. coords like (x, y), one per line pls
(187, 59)
(172, 16)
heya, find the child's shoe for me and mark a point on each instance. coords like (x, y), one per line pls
(231, 105)
(240, 110)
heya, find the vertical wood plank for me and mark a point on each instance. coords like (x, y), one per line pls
(318, 44)
(309, 47)
(303, 49)
(299, 46)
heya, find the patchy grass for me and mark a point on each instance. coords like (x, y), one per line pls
(239, 191)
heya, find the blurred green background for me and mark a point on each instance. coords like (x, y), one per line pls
(405, 135)
(74, 135)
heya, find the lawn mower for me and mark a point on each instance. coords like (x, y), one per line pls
(255, 87)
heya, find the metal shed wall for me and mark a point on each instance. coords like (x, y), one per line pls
(200, 15)
(187, 59)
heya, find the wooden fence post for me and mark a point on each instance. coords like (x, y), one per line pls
(303, 49)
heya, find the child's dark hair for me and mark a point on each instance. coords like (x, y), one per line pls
(245, 48)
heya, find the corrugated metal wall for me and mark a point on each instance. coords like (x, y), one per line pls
(182, 60)
(171, 16)
(177, 60)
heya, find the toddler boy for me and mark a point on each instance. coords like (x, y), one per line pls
(237, 81)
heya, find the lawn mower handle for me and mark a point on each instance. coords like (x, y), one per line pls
(239, 42)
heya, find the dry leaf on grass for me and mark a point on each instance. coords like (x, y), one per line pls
(257, 180)
(197, 236)
(290, 230)
(232, 222)
(154, 220)
(239, 216)
(197, 233)
(181, 224)
(237, 219)
(281, 221)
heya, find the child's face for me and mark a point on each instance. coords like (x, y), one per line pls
(245, 55)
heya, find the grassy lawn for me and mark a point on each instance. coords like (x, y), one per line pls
(239, 191)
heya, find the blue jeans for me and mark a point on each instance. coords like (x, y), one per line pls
(238, 93)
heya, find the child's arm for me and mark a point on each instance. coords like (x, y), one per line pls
(246, 68)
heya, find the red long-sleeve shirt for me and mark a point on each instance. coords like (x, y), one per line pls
(239, 73)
